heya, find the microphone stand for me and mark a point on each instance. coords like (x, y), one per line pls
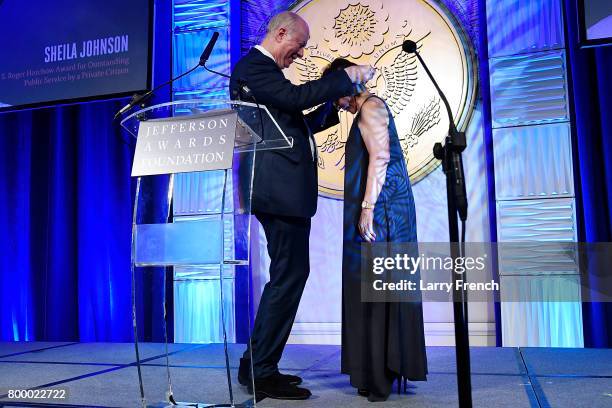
(452, 166)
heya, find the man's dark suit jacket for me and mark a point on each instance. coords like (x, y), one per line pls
(285, 180)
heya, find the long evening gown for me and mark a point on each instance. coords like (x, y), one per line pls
(381, 342)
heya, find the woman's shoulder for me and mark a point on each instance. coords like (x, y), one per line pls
(374, 102)
(374, 108)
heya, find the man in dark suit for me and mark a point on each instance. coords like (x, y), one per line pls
(285, 188)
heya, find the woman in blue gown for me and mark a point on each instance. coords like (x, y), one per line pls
(381, 341)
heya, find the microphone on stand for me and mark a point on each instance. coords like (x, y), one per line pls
(457, 140)
(409, 46)
(138, 99)
(452, 164)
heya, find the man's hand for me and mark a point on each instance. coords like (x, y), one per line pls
(360, 74)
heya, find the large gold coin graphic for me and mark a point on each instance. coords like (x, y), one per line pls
(372, 32)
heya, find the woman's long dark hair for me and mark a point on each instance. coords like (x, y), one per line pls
(337, 65)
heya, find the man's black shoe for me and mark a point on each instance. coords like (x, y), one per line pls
(274, 387)
(290, 379)
(244, 374)
(244, 371)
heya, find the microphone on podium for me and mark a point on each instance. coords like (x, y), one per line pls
(206, 54)
(138, 99)
(208, 50)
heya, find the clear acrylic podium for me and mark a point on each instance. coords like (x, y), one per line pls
(204, 238)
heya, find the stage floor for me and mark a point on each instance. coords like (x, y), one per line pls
(104, 375)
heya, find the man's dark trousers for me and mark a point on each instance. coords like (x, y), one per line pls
(289, 268)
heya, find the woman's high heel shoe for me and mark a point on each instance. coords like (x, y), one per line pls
(407, 385)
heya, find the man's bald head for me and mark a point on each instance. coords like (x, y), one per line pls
(288, 20)
(286, 37)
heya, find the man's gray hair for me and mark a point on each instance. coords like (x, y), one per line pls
(285, 19)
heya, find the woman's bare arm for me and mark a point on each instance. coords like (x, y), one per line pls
(374, 127)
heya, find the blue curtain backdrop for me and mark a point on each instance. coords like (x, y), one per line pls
(591, 76)
(65, 220)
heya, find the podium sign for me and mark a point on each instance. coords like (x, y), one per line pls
(181, 145)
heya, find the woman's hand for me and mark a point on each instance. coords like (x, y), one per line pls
(359, 74)
(366, 225)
